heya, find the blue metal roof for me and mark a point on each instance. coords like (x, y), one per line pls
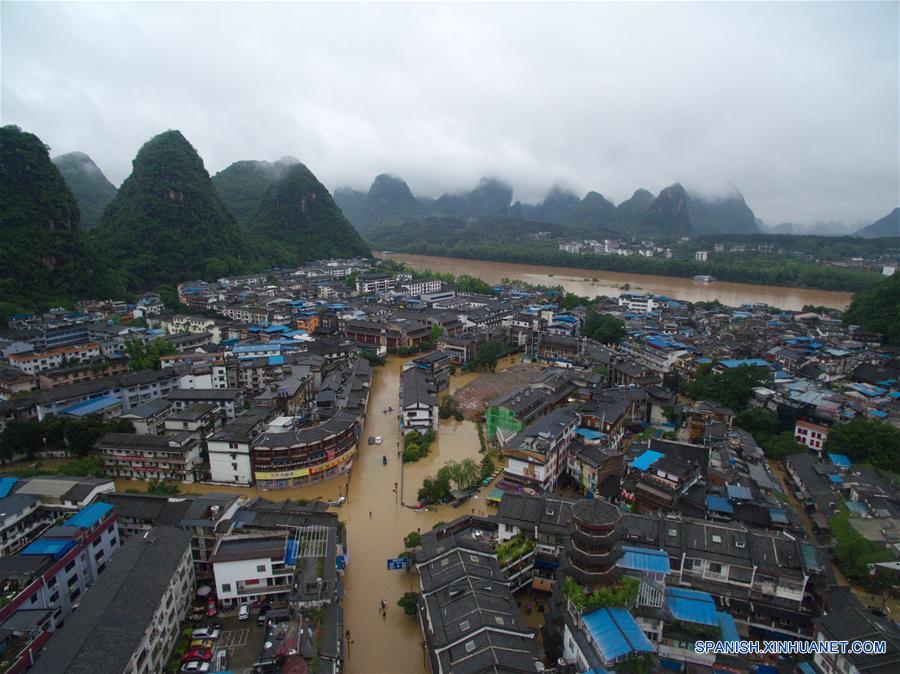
(290, 552)
(590, 433)
(691, 606)
(751, 362)
(90, 516)
(778, 516)
(56, 547)
(642, 559)
(276, 360)
(857, 507)
(93, 406)
(616, 633)
(646, 459)
(6, 485)
(739, 492)
(841, 460)
(837, 479)
(727, 627)
(719, 504)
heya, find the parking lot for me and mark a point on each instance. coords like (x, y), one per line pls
(241, 638)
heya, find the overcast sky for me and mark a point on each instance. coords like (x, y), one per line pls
(795, 104)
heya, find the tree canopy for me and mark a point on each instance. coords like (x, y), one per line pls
(731, 388)
(603, 328)
(867, 441)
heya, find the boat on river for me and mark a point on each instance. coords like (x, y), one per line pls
(705, 278)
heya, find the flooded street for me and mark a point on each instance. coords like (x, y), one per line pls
(594, 282)
(394, 643)
(376, 521)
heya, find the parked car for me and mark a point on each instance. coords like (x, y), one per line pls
(203, 654)
(244, 612)
(193, 666)
(261, 618)
(371, 440)
(202, 643)
(378, 439)
(205, 633)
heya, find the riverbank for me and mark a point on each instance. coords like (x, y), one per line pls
(778, 269)
(593, 283)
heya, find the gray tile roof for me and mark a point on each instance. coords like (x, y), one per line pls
(114, 614)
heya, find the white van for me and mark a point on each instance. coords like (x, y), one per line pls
(244, 613)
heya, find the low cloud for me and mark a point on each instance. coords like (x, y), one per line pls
(606, 97)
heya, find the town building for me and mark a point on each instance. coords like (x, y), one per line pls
(146, 457)
(306, 455)
(141, 600)
(229, 450)
(536, 456)
(418, 402)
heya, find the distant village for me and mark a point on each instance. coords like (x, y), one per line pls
(683, 251)
(634, 518)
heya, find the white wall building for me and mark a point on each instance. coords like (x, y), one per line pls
(251, 567)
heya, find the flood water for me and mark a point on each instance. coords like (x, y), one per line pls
(592, 282)
(394, 643)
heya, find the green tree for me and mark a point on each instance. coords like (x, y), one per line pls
(758, 421)
(487, 466)
(731, 388)
(409, 602)
(163, 487)
(487, 355)
(603, 328)
(867, 441)
(412, 540)
(20, 437)
(145, 356)
(878, 309)
(436, 333)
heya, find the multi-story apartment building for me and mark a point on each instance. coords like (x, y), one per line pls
(229, 449)
(658, 352)
(811, 435)
(46, 580)
(536, 456)
(374, 282)
(638, 302)
(422, 286)
(33, 362)
(252, 567)
(306, 455)
(141, 599)
(229, 400)
(150, 417)
(418, 402)
(147, 457)
(132, 389)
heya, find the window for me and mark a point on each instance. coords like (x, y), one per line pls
(261, 568)
(70, 565)
(716, 538)
(54, 597)
(715, 568)
(226, 587)
(34, 599)
(96, 542)
(75, 595)
(470, 646)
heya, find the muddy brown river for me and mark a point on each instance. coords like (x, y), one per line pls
(592, 282)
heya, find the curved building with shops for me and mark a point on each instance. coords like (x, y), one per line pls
(301, 457)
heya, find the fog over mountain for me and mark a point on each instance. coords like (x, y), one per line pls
(606, 97)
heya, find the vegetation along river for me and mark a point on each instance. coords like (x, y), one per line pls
(591, 283)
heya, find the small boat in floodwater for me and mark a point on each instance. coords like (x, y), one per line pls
(704, 278)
